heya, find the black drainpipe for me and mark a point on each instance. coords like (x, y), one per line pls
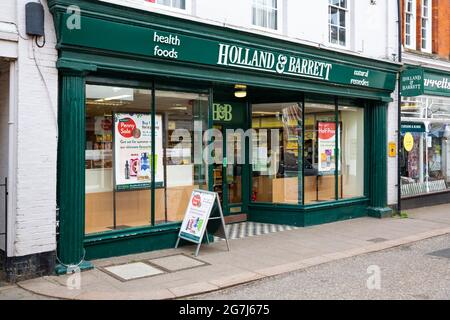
(399, 98)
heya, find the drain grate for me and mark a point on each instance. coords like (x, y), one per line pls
(441, 253)
(377, 240)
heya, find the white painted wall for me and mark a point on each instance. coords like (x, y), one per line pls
(8, 11)
(392, 163)
(33, 214)
(372, 28)
(4, 144)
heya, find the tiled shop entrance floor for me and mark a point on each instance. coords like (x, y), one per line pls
(251, 229)
(132, 271)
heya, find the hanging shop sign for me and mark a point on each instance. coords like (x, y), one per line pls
(173, 46)
(436, 83)
(420, 81)
(133, 158)
(412, 83)
(327, 147)
(412, 127)
(408, 142)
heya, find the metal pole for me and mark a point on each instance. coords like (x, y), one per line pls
(6, 218)
(399, 111)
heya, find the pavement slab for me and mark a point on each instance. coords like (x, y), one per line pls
(250, 259)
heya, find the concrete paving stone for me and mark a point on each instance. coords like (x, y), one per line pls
(132, 271)
(46, 288)
(280, 269)
(193, 289)
(176, 262)
(136, 295)
(235, 279)
(335, 256)
(315, 260)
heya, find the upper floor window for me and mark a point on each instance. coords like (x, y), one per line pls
(265, 14)
(410, 23)
(178, 4)
(338, 22)
(426, 26)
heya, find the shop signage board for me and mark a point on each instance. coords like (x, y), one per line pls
(437, 83)
(419, 81)
(327, 147)
(133, 159)
(412, 83)
(412, 127)
(408, 142)
(229, 113)
(199, 214)
(176, 46)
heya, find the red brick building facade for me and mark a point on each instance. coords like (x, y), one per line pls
(439, 14)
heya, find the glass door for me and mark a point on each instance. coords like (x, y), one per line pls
(228, 176)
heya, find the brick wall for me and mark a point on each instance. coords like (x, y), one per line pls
(441, 28)
(33, 213)
(37, 141)
(440, 14)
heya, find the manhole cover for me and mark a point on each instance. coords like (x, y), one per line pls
(132, 271)
(176, 262)
(441, 253)
(377, 240)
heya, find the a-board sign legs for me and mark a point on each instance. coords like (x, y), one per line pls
(178, 242)
(223, 223)
(207, 237)
(198, 249)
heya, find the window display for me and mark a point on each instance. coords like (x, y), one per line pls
(276, 152)
(120, 162)
(117, 178)
(425, 159)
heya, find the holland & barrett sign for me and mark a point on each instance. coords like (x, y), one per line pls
(226, 54)
(412, 83)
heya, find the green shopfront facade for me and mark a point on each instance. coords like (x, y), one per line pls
(425, 114)
(125, 69)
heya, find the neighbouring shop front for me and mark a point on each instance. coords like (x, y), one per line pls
(145, 99)
(425, 157)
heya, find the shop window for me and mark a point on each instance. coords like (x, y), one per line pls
(320, 150)
(338, 22)
(120, 161)
(426, 26)
(351, 172)
(425, 149)
(179, 171)
(277, 153)
(410, 24)
(265, 14)
(118, 157)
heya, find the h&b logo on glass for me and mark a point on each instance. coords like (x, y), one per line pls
(222, 112)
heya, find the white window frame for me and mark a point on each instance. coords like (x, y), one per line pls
(428, 27)
(279, 10)
(412, 35)
(347, 25)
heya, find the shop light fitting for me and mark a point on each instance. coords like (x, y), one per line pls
(124, 96)
(240, 91)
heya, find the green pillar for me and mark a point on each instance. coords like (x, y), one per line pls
(71, 171)
(378, 161)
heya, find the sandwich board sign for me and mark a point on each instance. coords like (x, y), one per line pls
(204, 214)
